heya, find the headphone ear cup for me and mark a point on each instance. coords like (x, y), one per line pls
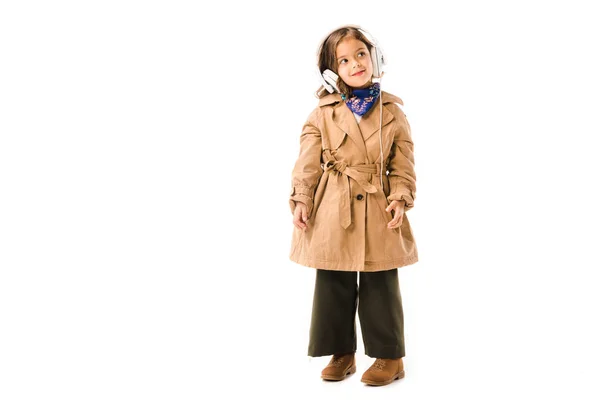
(331, 78)
(324, 81)
(377, 60)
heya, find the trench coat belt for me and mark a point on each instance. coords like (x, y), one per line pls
(344, 172)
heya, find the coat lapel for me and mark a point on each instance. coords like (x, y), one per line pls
(343, 118)
(370, 123)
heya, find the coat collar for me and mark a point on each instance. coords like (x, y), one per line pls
(369, 124)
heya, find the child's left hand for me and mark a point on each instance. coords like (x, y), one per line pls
(398, 208)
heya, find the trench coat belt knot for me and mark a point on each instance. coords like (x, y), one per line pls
(343, 173)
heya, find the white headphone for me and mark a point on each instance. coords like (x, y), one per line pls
(329, 79)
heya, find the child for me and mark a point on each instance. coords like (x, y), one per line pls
(349, 216)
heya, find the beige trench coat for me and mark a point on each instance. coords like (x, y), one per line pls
(337, 176)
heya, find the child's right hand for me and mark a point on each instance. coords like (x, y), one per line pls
(300, 215)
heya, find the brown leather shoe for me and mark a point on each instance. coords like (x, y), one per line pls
(383, 371)
(340, 366)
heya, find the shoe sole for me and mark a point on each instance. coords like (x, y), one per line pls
(399, 375)
(339, 378)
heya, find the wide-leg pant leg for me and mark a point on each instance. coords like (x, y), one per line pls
(333, 321)
(381, 315)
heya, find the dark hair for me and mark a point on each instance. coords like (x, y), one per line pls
(326, 54)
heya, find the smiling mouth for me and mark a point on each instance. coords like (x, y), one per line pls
(358, 73)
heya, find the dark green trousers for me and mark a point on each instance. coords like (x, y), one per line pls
(333, 322)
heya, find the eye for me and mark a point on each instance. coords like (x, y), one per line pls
(343, 61)
(362, 53)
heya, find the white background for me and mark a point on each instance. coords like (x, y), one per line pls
(145, 158)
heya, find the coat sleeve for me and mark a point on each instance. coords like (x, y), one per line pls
(401, 165)
(307, 170)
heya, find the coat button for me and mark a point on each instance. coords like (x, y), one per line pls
(359, 197)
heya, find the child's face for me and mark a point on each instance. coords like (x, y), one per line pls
(354, 63)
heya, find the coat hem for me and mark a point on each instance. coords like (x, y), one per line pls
(369, 266)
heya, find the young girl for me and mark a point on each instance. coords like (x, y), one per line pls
(350, 217)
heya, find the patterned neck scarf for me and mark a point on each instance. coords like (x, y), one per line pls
(362, 100)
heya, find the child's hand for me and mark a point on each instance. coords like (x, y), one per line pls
(398, 208)
(300, 215)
